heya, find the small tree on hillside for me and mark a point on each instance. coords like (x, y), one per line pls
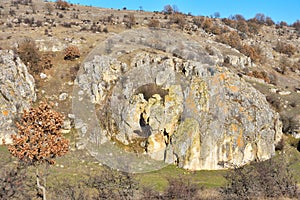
(62, 5)
(49, 8)
(39, 139)
(168, 9)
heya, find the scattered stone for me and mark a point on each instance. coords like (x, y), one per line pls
(63, 96)
(283, 93)
(43, 76)
(71, 116)
(273, 90)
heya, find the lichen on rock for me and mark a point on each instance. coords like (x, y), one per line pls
(179, 105)
(17, 92)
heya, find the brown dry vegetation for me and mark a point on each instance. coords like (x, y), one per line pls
(87, 26)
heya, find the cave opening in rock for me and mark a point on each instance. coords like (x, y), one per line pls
(146, 129)
(150, 89)
(167, 136)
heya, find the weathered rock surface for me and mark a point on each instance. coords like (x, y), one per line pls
(16, 91)
(178, 109)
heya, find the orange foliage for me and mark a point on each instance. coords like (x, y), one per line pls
(39, 139)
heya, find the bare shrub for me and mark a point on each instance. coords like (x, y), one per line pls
(242, 26)
(178, 18)
(198, 20)
(207, 23)
(296, 25)
(29, 54)
(178, 188)
(151, 194)
(181, 188)
(129, 20)
(49, 8)
(12, 183)
(284, 65)
(289, 124)
(260, 75)
(229, 22)
(67, 190)
(114, 185)
(168, 9)
(296, 66)
(267, 179)
(253, 26)
(287, 49)
(232, 39)
(269, 21)
(274, 101)
(253, 52)
(45, 62)
(153, 23)
(71, 53)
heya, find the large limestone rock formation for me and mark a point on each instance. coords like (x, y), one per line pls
(16, 91)
(177, 109)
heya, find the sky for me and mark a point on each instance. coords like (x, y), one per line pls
(278, 10)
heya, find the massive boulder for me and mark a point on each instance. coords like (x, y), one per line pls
(167, 104)
(17, 92)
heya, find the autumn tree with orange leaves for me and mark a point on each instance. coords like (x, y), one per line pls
(39, 139)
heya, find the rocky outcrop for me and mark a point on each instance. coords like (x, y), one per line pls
(239, 61)
(17, 91)
(174, 106)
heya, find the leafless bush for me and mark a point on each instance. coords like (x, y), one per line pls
(296, 66)
(275, 101)
(29, 54)
(178, 188)
(153, 23)
(49, 8)
(289, 124)
(179, 19)
(114, 185)
(231, 38)
(129, 20)
(181, 188)
(73, 71)
(66, 190)
(268, 179)
(296, 25)
(253, 52)
(287, 49)
(284, 65)
(253, 26)
(12, 12)
(13, 183)
(45, 62)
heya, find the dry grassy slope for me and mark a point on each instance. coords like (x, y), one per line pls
(59, 78)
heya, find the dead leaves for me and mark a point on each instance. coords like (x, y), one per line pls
(39, 139)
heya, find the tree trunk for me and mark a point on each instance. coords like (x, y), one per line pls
(39, 185)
